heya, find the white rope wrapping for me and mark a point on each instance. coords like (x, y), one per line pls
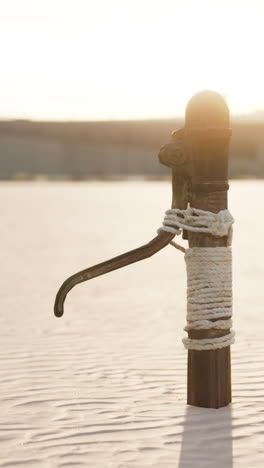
(209, 295)
(209, 275)
(192, 219)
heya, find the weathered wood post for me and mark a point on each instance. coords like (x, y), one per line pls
(203, 182)
(198, 157)
(207, 128)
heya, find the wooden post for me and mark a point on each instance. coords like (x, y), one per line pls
(207, 135)
(198, 157)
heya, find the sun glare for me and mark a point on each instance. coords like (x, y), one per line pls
(85, 59)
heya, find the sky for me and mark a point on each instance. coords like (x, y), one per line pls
(128, 59)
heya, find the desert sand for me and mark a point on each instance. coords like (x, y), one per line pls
(105, 385)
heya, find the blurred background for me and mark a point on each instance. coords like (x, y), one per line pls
(92, 89)
(110, 150)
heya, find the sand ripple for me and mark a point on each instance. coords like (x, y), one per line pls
(105, 386)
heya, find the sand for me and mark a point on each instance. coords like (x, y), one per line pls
(105, 386)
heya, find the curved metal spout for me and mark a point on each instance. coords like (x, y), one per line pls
(145, 251)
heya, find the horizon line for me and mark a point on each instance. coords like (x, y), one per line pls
(257, 115)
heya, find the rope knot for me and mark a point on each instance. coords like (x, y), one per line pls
(221, 225)
(195, 220)
(218, 228)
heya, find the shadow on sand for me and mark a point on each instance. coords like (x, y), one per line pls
(207, 438)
